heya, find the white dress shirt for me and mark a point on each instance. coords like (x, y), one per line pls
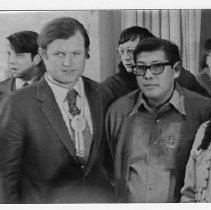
(60, 94)
(19, 83)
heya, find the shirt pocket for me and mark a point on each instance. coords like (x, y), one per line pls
(168, 141)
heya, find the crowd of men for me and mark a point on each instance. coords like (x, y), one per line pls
(67, 139)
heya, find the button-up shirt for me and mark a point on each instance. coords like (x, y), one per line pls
(60, 94)
(154, 142)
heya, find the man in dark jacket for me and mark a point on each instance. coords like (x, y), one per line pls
(151, 130)
(24, 62)
(124, 81)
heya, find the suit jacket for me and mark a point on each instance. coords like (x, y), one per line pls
(37, 156)
(7, 87)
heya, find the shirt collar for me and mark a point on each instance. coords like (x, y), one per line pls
(176, 100)
(61, 92)
(19, 82)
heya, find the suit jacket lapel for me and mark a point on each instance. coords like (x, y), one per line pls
(90, 89)
(53, 114)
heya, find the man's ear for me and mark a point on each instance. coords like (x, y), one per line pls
(36, 59)
(177, 67)
(42, 53)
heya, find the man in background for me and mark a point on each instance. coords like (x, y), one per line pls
(124, 81)
(24, 62)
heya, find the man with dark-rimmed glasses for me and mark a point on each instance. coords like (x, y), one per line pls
(124, 81)
(151, 130)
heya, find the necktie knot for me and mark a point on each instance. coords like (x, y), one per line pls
(71, 100)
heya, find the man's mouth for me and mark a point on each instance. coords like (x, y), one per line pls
(69, 71)
(129, 64)
(150, 85)
(13, 68)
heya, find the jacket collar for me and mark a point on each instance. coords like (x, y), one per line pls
(124, 72)
(176, 100)
(51, 111)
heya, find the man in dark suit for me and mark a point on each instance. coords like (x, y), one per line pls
(24, 62)
(52, 149)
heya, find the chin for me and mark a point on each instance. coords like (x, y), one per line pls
(129, 70)
(68, 80)
(150, 94)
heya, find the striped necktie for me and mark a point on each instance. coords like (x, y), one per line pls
(84, 140)
(71, 100)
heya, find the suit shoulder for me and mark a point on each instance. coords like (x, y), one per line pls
(187, 73)
(112, 79)
(5, 83)
(118, 83)
(23, 94)
(90, 83)
(196, 99)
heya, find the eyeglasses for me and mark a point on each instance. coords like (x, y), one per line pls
(157, 68)
(121, 51)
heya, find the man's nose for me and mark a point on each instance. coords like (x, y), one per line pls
(68, 60)
(148, 74)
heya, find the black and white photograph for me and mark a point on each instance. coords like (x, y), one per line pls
(105, 106)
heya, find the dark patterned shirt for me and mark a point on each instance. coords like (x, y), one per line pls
(154, 137)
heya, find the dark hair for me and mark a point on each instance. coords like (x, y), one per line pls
(24, 42)
(206, 51)
(133, 33)
(148, 45)
(62, 28)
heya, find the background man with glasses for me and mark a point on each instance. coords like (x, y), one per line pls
(124, 81)
(151, 135)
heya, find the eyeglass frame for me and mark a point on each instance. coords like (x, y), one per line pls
(124, 50)
(162, 65)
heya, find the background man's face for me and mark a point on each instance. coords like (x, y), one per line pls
(156, 87)
(19, 63)
(65, 59)
(127, 58)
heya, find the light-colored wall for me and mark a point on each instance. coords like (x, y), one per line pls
(109, 29)
(102, 26)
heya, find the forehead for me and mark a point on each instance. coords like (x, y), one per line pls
(130, 44)
(75, 42)
(153, 56)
